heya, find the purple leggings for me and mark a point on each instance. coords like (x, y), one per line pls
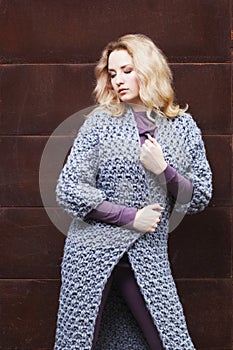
(127, 285)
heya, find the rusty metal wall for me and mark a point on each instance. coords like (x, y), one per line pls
(48, 50)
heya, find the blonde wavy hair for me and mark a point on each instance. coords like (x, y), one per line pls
(154, 74)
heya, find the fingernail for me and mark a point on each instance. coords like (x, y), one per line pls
(148, 135)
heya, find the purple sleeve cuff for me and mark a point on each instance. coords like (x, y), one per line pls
(180, 187)
(113, 214)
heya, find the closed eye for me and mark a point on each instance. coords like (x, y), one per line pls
(112, 75)
(125, 70)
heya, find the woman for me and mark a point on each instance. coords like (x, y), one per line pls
(137, 159)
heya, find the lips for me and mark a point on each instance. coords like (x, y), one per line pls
(122, 91)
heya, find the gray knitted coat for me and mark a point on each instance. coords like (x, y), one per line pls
(104, 164)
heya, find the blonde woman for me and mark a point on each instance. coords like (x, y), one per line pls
(137, 159)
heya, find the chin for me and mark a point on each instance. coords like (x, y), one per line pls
(129, 100)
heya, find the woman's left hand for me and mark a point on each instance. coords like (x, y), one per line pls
(152, 156)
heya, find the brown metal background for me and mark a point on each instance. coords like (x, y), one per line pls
(48, 50)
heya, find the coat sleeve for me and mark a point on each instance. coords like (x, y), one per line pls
(76, 189)
(199, 172)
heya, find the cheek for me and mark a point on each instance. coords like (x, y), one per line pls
(135, 83)
(112, 85)
(136, 86)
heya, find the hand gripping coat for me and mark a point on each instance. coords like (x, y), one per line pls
(104, 164)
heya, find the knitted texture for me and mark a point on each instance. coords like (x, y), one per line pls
(104, 164)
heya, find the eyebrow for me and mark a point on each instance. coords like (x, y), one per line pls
(122, 67)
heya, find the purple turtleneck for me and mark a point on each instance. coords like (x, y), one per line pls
(180, 188)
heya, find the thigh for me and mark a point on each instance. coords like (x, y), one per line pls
(126, 283)
(122, 263)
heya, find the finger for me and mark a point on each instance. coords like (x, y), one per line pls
(146, 145)
(157, 206)
(152, 229)
(149, 136)
(154, 206)
(152, 139)
(157, 220)
(158, 213)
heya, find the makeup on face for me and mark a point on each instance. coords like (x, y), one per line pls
(123, 76)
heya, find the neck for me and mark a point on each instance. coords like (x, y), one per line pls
(138, 108)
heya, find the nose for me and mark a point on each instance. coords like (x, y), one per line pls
(119, 79)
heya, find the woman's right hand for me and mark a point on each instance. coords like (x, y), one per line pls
(147, 218)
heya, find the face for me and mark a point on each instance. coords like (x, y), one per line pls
(123, 77)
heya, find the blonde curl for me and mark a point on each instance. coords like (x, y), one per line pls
(154, 74)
